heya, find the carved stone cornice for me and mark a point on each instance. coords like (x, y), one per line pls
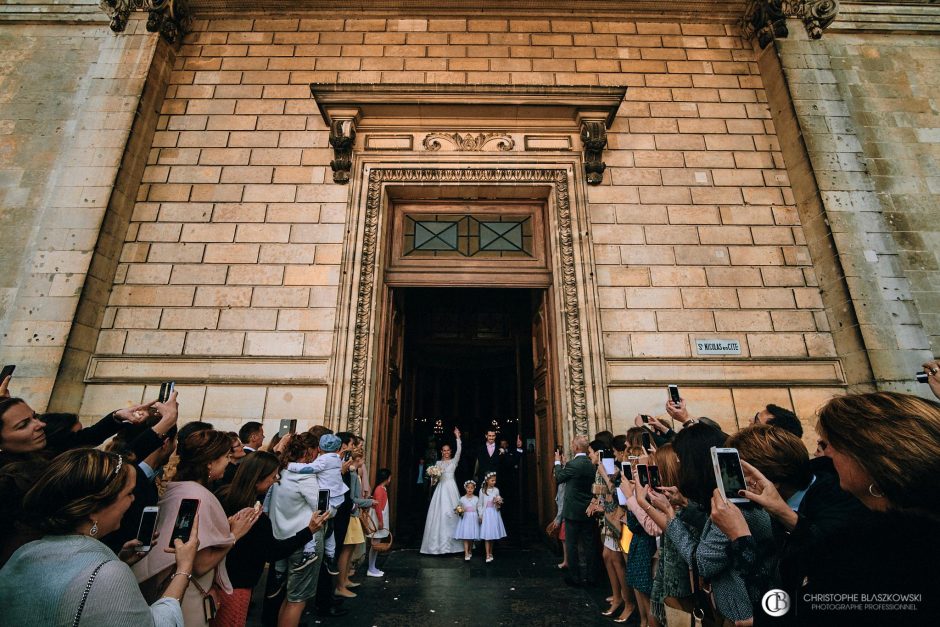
(365, 290)
(766, 19)
(469, 142)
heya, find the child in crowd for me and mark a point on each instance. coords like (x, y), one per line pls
(468, 529)
(381, 516)
(492, 527)
(328, 466)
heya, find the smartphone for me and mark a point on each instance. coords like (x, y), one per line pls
(8, 372)
(642, 475)
(653, 472)
(647, 442)
(728, 473)
(147, 527)
(288, 425)
(170, 386)
(161, 397)
(347, 455)
(184, 520)
(323, 501)
(674, 394)
(626, 470)
(920, 376)
(645, 418)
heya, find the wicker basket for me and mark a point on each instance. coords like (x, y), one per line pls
(383, 545)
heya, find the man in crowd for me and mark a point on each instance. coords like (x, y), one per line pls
(252, 436)
(578, 475)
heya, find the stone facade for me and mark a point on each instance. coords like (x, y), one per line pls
(724, 164)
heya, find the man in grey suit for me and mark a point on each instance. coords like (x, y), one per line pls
(578, 474)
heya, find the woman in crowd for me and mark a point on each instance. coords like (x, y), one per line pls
(245, 562)
(644, 531)
(203, 456)
(672, 573)
(23, 433)
(610, 527)
(293, 503)
(711, 556)
(354, 534)
(70, 578)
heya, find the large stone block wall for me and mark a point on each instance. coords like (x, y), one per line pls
(234, 246)
(68, 97)
(867, 111)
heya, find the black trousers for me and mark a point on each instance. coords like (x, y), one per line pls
(579, 540)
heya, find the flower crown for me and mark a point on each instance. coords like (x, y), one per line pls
(469, 482)
(487, 476)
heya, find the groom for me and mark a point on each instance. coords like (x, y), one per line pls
(488, 459)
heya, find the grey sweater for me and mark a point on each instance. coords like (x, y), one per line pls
(44, 581)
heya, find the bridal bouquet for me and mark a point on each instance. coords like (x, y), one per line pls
(459, 510)
(498, 501)
(434, 474)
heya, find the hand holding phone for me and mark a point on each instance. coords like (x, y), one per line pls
(6, 374)
(729, 475)
(184, 520)
(288, 425)
(674, 397)
(147, 529)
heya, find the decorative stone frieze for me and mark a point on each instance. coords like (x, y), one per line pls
(477, 143)
(766, 19)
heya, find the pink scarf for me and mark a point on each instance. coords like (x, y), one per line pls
(213, 530)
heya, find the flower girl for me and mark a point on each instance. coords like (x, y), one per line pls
(468, 528)
(490, 502)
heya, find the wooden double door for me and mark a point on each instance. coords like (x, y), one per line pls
(472, 358)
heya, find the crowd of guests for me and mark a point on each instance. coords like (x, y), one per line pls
(72, 500)
(849, 535)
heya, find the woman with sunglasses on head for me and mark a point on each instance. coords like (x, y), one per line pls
(203, 456)
(68, 577)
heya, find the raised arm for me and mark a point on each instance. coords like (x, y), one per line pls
(459, 445)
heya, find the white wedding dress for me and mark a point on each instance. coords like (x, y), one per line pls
(442, 520)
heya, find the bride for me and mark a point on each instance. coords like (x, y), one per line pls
(442, 519)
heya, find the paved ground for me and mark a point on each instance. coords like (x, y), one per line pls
(521, 587)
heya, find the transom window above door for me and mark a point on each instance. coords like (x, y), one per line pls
(482, 242)
(449, 235)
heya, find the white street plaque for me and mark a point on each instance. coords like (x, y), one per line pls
(718, 347)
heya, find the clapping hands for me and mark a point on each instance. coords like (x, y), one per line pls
(242, 522)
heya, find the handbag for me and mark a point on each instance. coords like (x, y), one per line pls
(552, 530)
(211, 598)
(81, 605)
(365, 519)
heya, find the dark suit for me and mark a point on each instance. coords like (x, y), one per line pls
(578, 474)
(487, 463)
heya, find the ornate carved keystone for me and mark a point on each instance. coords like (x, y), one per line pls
(342, 138)
(594, 140)
(766, 19)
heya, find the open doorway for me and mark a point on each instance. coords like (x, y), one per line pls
(471, 358)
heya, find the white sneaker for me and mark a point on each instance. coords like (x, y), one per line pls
(489, 559)
(375, 573)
